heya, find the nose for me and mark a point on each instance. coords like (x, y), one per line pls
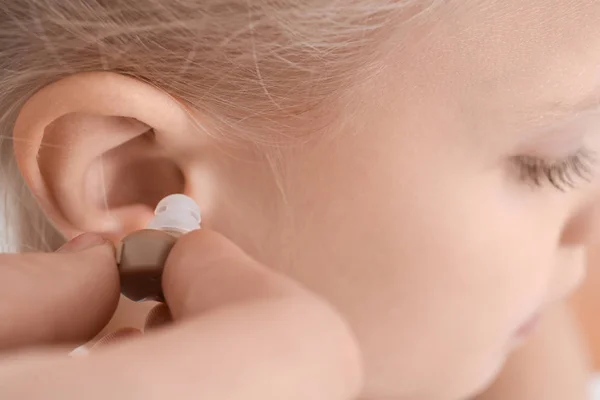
(583, 227)
(580, 231)
(570, 271)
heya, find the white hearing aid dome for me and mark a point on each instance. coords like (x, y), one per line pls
(176, 212)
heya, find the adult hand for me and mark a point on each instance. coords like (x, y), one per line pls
(240, 331)
(63, 297)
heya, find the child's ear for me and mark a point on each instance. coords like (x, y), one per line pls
(99, 150)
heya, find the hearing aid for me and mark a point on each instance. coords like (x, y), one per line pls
(141, 255)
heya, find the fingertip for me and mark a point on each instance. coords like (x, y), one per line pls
(206, 270)
(207, 243)
(78, 287)
(192, 254)
(83, 242)
(116, 337)
(196, 251)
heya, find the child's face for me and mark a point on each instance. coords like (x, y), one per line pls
(416, 221)
(420, 217)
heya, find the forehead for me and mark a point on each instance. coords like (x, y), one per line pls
(529, 59)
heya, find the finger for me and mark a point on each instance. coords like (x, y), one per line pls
(248, 335)
(110, 339)
(157, 317)
(204, 270)
(116, 337)
(272, 350)
(66, 296)
(255, 313)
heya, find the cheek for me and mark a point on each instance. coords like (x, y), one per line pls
(450, 267)
(421, 263)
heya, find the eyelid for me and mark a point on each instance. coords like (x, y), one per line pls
(561, 139)
(562, 174)
(554, 146)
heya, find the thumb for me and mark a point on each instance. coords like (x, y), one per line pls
(205, 270)
(268, 329)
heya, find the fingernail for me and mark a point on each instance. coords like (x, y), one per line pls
(82, 242)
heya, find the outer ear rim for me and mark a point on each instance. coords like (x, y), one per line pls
(98, 93)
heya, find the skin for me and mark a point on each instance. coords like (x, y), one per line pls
(210, 326)
(553, 364)
(410, 219)
(585, 304)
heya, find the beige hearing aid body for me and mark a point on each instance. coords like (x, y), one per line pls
(141, 255)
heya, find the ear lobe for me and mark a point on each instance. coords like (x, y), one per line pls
(93, 149)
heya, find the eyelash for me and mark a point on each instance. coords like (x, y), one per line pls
(562, 174)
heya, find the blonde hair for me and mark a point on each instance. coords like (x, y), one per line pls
(258, 66)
